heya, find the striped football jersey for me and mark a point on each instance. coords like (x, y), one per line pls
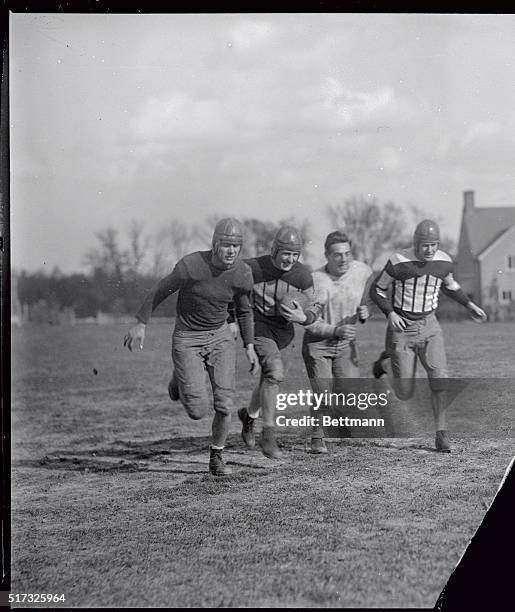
(415, 285)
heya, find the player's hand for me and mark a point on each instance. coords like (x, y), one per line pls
(363, 312)
(234, 329)
(135, 335)
(295, 315)
(478, 314)
(396, 322)
(253, 358)
(345, 331)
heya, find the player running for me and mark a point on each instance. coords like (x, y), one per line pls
(329, 345)
(415, 277)
(207, 281)
(276, 276)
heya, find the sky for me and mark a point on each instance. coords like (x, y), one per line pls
(150, 118)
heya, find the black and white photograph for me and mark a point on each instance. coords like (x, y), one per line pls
(262, 309)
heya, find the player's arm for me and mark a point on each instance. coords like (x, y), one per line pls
(245, 316)
(320, 327)
(363, 312)
(379, 295)
(231, 307)
(451, 288)
(231, 319)
(311, 312)
(314, 308)
(159, 292)
(346, 331)
(378, 290)
(240, 316)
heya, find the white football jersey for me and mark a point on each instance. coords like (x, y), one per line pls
(339, 297)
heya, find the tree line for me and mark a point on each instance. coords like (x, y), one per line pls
(117, 278)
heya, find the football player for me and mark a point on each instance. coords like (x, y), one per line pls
(329, 346)
(207, 282)
(415, 278)
(275, 277)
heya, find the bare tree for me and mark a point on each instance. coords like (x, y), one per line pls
(171, 243)
(138, 247)
(258, 237)
(373, 227)
(108, 257)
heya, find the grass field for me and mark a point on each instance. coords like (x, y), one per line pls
(112, 504)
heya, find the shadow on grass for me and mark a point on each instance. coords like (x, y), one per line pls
(400, 444)
(190, 454)
(182, 455)
(84, 464)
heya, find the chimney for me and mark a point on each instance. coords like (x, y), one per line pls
(468, 201)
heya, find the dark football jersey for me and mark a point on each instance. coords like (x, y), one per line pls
(271, 285)
(205, 293)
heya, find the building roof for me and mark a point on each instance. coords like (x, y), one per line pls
(505, 235)
(486, 225)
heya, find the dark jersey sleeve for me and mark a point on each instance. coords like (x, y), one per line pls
(231, 312)
(245, 316)
(241, 307)
(379, 289)
(452, 289)
(314, 309)
(306, 285)
(249, 282)
(161, 290)
(365, 298)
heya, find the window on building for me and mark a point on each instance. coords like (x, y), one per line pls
(511, 262)
(507, 296)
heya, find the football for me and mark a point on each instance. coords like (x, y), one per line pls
(302, 300)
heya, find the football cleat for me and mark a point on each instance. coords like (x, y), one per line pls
(377, 369)
(269, 444)
(217, 465)
(442, 443)
(173, 390)
(318, 446)
(247, 430)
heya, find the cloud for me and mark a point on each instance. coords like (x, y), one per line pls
(249, 35)
(179, 114)
(341, 106)
(343, 98)
(480, 130)
(389, 159)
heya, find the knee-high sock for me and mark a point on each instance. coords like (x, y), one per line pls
(439, 404)
(220, 429)
(269, 399)
(317, 431)
(255, 403)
